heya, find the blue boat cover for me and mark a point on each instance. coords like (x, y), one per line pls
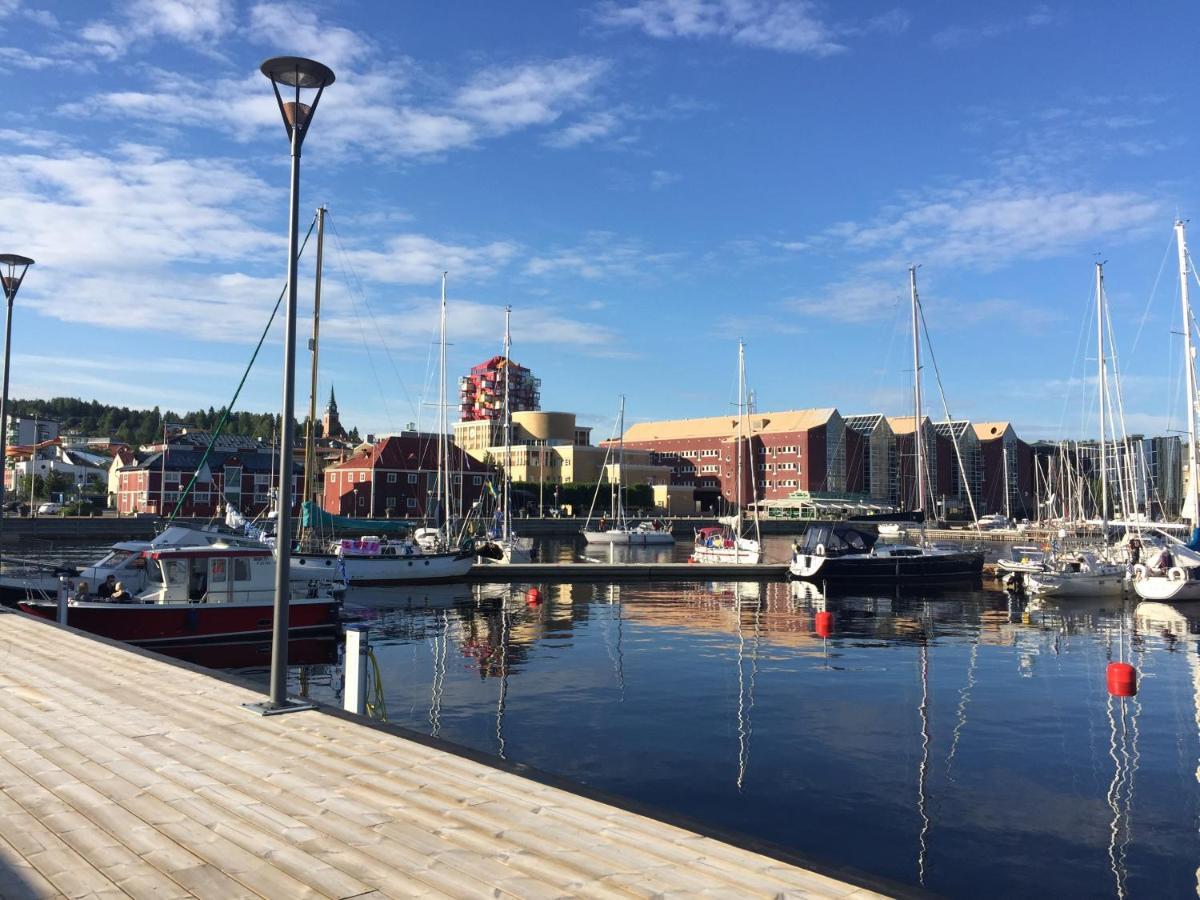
(317, 519)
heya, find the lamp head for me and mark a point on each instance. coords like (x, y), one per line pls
(296, 73)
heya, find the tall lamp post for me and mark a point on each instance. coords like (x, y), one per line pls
(12, 273)
(294, 74)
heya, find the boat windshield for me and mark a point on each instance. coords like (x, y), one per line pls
(839, 538)
(117, 558)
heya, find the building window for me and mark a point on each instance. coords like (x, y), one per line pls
(362, 501)
(391, 502)
(391, 478)
(362, 476)
(412, 502)
(478, 479)
(412, 477)
(333, 477)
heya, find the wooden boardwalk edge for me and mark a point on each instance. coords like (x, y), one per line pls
(382, 784)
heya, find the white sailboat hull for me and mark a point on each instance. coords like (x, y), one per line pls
(360, 570)
(1163, 587)
(630, 537)
(1078, 584)
(746, 552)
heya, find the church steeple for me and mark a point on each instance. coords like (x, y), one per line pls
(331, 424)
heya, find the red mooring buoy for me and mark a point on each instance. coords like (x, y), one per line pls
(1122, 679)
(824, 624)
(533, 596)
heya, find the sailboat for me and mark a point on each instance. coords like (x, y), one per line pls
(1176, 573)
(623, 531)
(1087, 574)
(505, 546)
(850, 552)
(729, 545)
(373, 559)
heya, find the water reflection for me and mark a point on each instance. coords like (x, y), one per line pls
(961, 740)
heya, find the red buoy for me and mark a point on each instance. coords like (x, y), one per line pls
(824, 624)
(533, 596)
(1122, 679)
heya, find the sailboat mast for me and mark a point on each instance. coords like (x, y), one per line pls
(443, 443)
(1007, 502)
(620, 507)
(310, 442)
(507, 424)
(1103, 394)
(918, 442)
(1193, 473)
(737, 516)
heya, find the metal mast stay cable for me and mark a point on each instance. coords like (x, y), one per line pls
(229, 409)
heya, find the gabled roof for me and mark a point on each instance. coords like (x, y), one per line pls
(989, 431)
(958, 430)
(726, 426)
(903, 424)
(865, 424)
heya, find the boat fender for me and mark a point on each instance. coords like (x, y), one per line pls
(1175, 573)
(819, 550)
(1139, 572)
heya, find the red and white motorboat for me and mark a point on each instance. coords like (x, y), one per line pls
(201, 593)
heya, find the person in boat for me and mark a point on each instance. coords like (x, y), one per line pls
(81, 592)
(603, 523)
(1135, 551)
(120, 595)
(1164, 560)
(106, 589)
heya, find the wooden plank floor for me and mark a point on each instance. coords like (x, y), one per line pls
(123, 775)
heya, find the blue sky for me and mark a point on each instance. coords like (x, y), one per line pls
(643, 180)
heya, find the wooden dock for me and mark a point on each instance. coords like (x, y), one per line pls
(122, 774)
(648, 571)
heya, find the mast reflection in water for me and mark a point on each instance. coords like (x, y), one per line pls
(961, 741)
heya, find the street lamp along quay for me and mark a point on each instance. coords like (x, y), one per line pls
(295, 74)
(12, 273)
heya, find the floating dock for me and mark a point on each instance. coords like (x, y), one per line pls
(590, 571)
(124, 774)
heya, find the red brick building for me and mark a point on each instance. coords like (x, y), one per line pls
(395, 478)
(784, 452)
(1002, 452)
(481, 391)
(244, 479)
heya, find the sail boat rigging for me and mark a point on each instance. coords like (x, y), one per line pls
(850, 552)
(622, 531)
(729, 545)
(504, 546)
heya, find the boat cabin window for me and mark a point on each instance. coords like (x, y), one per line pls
(241, 570)
(218, 571)
(118, 558)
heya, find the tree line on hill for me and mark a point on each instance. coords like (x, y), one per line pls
(145, 426)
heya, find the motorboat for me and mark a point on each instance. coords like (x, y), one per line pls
(214, 592)
(1023, 561)
(124, 561)
(851, 552)
(993, 522)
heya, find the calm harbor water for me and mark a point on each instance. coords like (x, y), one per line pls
(961, 741)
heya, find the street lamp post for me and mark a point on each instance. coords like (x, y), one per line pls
(12, 273)
(294, 74)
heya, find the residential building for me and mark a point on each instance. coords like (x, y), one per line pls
(902, 466)
(781, 453)
(481, 391)
(24, 431)
(870, 447)
(244, 480)
(1007, 467)
(398, 477)
(959, 481)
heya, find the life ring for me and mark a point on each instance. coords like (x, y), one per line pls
(819, 550)
(1175, 573)
(1139, 572)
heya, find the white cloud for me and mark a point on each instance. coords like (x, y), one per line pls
(506, 99)
(18, 58)
(601, 255)
(199, 23)
(418, 259)
(791, 26)
(594, 127)
(370, 111)
(294, 30)
(661, 178)
(954, 36)
(985, 226)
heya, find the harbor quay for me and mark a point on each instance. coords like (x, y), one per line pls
(125, 773)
